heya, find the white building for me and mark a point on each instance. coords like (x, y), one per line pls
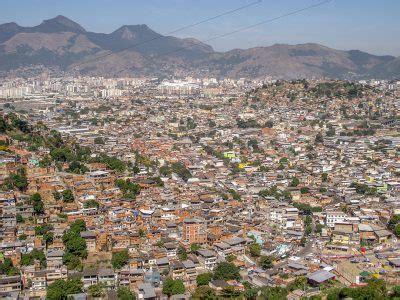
(333, 217)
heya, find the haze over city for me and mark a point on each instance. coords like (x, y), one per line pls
(370, 26)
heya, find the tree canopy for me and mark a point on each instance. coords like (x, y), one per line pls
(226, 271)
(203, 279)
(120, 259)
(173, 287)
(60, 289)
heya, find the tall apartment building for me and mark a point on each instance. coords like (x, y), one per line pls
(194, 231)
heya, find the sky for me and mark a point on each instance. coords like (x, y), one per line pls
(371, 26)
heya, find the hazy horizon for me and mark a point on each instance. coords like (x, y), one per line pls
(337, 24)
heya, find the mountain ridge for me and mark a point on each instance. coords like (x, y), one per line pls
(139, 50)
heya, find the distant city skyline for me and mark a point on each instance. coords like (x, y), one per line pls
(371, 26)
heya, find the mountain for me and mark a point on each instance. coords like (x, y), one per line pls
(138, 50)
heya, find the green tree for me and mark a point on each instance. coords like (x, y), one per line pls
(17, 180)
(19, 218)
(308, 220)
(57, 196)
(75, 245)
(204, 278)
(99, 141)
(181, 170)
(36, 197)
(91, 204)
(68, 196)
(295, 182)
(96, 290)
(120, 259)
(230, 258)
(273, 293)
(77, 168)
(226, 271)
(60, 289)
(204, 293)
(319, 138)
(396, 230)
(396, 291)
(77, 226)
(308, 229)
(394, 220)
(160, 244)
(112, 162)
(182, 253)
(230, 292)
(255, 250)
(45, 231)
(266, 262)
(178, 287)
(27, 259)
(128, 188)
(142, 233)
(72, 261)
(298, 284)
(3, 125)
(331, 132)
(123, 293)
(173, 287)
(194, 247)
(7, 267)
(324, 177)
(38, 207)
(375, 289)
(304, 190)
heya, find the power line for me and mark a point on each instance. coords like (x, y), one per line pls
(233, 32)
(171, 32)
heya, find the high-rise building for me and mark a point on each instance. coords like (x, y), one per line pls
(194, 231)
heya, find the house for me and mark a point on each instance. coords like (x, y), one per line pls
(194, 231)
(163, 264)
(296, 295)
(39, 282)
(171, 249)
(89, 277)
(177, 270)
(152, 277)
(55, 274)
(333, 217)
(395, 263)
(190, 271)
(260, 281)
(77, 296)
(223, 249)
(218, 284)
(10, 284)
(318, 277)
(146, 292)
(107, 277)
(90, 238)
(382, 235)
(54, 259)
(207, 259)
(341, 237)
(131, 277)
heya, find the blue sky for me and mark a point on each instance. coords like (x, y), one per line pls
(372, 26)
